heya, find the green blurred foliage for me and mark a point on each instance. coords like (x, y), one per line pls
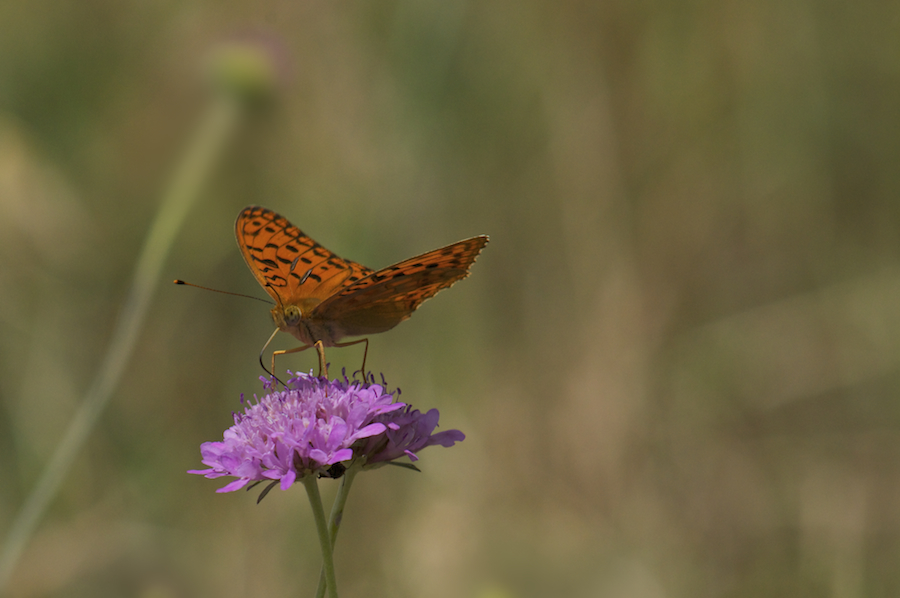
(676, 363)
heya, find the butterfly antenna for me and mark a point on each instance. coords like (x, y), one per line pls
(275, 294)
(262, 365)
(197, 286)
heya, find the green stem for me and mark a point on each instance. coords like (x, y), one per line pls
(201, 154)
(315, 501)
(337, 515)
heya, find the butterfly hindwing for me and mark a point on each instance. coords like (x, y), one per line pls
(385, 298)
(288, 264)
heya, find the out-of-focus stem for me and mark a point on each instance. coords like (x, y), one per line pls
(204, 147)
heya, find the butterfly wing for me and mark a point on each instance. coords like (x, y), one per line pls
(385, 298)
(289, 265)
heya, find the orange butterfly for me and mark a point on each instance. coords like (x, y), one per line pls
(320, 298)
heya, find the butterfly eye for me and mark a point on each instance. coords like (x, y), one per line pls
(291, 314)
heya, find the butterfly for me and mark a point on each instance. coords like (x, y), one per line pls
(321, 298)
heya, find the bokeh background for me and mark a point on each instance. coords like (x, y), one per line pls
(676, 363)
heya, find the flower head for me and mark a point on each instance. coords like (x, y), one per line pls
(407, 431)
(299, 431)
(249, 66)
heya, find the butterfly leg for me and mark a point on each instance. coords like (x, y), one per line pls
(323, 367)
(365, 353)
(285, 352)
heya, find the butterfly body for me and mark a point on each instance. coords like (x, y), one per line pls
(322, 298)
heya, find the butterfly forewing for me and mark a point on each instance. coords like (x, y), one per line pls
(385, 298)
(289, 264)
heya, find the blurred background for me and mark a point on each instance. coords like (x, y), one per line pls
(677, 362)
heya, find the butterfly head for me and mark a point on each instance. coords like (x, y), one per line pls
(292, 318)
(287, 316)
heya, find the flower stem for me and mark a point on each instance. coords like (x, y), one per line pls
(315, 501)
(201, 154)
(337, 515)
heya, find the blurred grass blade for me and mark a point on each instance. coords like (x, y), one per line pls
(212, 134)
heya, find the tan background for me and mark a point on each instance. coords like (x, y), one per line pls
(676, 362)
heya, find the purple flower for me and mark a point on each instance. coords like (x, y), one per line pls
(407, 432)
(299, 431)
